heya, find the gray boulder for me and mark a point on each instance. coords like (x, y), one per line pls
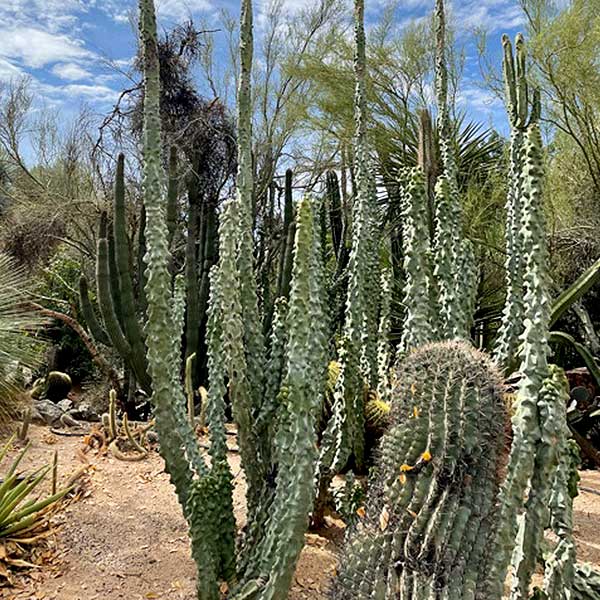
(85, 412)
(45, 412)
(65, 404)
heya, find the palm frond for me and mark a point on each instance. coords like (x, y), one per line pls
(19, 342)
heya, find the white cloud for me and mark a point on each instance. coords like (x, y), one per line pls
(478, 99)
(37, 48)
(489, 15)
(181, 9)
(100, 93)
(70, 71)
(8, 71)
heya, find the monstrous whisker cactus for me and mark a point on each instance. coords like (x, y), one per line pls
(302, 395)
(279, 500)
(517, 108)
(383, 334)
(419, 323)
(431, 501)
(454, 292)
(527, 460)
(344, 437)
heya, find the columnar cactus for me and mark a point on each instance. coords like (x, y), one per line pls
(559, 560)
(539, 416)
(121, 310)
(517, 108)
(253, 338)
(287, 246)
(178, 444)
(295, 439)
(430, 509)
(452, 290)
(279, 501)
(383, 343)
(345, 435)
(420, 321)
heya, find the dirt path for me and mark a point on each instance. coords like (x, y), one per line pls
(126, 538)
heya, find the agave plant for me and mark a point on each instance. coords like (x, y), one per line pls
(18, 511)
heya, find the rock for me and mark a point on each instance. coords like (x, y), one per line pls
(27, 376)
(65, 404)
(58, 385)
(84, 412)
(47, 412)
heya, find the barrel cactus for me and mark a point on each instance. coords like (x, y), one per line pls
(430, 511)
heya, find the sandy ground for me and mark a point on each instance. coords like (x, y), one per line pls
(126, 538)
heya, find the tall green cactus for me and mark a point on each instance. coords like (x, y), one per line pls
(129, 312)
(344, 437)
(253, 338)
(430, 510)
(453, 291)
(295, 439)
(279, 507)
(121, 308)
(285, 257)
(383, 343)
(517, 108)
(436, 525)
(420, 320)
(537, 463)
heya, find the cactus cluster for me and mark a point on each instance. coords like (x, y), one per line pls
(451, 262)
(441, 277)
(420, 323)
(441, 519)
(118, 301)
(287, 403)
(344, 437)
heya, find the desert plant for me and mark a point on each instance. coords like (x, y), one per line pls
(517, 106)
(18, 512)
(277, 512)
(434, 487)
(19, 344)
(440, 520)
(344, 438)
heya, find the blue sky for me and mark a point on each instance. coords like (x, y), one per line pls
(70, 48)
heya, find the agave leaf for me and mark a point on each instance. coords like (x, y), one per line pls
(6, 487)
(32, 511)
(20, 492)
(17, 460)
(18, 326)
(7, 446)
(574, 292)
(561, 337)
